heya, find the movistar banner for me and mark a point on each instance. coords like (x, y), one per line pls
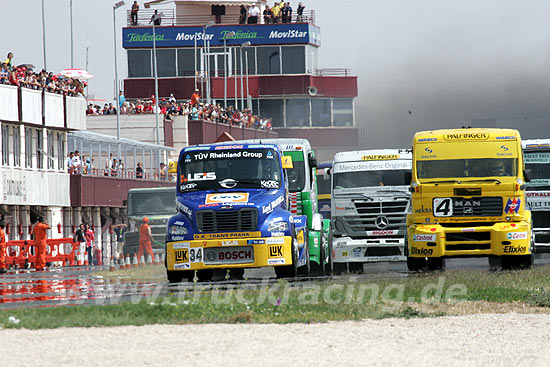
(258, 34)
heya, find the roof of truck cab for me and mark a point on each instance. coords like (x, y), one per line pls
(373, 155)
(240, 144)
(284, 143)
(536, 144)
(466, 134)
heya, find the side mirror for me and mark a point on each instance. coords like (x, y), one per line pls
(326, 174)
(527, 175)
(408, 178)
(317, 222)
(312, 161)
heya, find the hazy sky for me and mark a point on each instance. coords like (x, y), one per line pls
(446, 61)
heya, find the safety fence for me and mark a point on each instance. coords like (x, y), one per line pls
(60, 251)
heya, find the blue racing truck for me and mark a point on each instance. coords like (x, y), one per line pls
(233, 214)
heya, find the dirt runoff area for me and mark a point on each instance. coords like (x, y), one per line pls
(485, 339)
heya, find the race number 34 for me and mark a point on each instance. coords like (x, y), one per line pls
(443, 207)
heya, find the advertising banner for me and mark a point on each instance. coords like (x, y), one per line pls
(258, 34)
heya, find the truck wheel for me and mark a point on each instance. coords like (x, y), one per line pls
(236, 274)
(289, 271)
(319, 269)
(356, 268)
(517, 262)
(174, 276)
(340, 268)
(329, 267)
(416, 263)
(205, 275)
(436, 264)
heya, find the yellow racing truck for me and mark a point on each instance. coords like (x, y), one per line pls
(468, 199)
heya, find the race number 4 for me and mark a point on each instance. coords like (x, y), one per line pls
(443, 207)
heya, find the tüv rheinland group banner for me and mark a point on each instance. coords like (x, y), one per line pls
(257, 34)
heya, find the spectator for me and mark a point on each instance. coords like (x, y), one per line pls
(284, 13)
(134, 13)
(108, 164)
(289, 12)
(81, 239)
(121, 99)
(156, 19)
(119, 229)
(267, 15)
(253, 14)
(162, 171)
(243, 13)
(195, 98)
(172, 99)
(89, 235)
(276, 11)
(114, 168)
(8, 61)
(76, 162)
(139, 170)
(300, 12)
(69, 162)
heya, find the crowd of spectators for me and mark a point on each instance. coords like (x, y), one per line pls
(24, 76)
(280, 12)
(194, 108)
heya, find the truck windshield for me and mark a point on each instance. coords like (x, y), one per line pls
(356, 179)
(538, 166)
(296, 176)
(231, 168)
(151, 203)
(479, 167)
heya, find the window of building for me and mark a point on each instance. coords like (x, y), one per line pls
(320, 112)
(273, 108)
(294, 59)
(61, 151)
(139, 63)
(5, 145)
(186, 64)
(28, 147)
(269, 60)
(39, 148)
(51, 152)
(343, 112)
(166, 59)
(297, 112)
(16, 146)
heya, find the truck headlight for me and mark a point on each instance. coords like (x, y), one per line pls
(177, 230)
(278, 226)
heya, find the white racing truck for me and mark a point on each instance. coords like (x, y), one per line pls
(370, 200)
(537, 165)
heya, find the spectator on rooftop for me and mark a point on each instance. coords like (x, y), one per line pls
(156, 19)
(267, 15)
(253, 14)
(242, 16)
(276, 11)
(8, 61)
(134, 13)
(284, 13)
(300, 12)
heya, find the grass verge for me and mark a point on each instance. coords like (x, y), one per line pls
(346, 298)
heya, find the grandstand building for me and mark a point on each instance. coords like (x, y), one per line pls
(270, 68)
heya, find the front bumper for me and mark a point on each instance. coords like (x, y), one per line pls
(434, 240)
(347, 250)
(232, 253)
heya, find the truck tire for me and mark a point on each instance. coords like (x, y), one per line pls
(319, 269)
(339, 268)
(517, 262)
(205, 275)
(436, 264)
(236, 274)
(416, 263)
(174, 276)
(355, 268)
(329, 267)
(289, 271)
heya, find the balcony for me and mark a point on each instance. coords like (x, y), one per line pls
(169, 17)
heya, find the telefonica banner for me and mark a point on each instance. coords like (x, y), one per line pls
(234, 35)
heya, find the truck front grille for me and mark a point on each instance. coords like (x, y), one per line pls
(486, 206)
(227, 221)
(393, 213)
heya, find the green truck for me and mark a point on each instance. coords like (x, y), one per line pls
(302, 200)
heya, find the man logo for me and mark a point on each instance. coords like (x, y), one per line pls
(381, 222)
